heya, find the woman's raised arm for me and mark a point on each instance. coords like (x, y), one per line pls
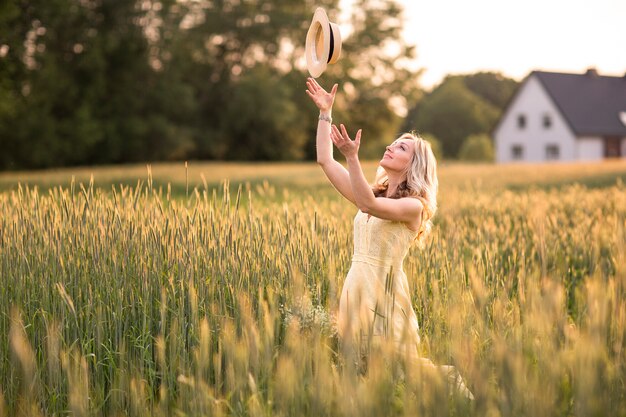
(335, 172)
(407, 210)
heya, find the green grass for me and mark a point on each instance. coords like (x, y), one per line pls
(166, 291)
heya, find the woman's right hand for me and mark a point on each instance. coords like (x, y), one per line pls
(322, 99)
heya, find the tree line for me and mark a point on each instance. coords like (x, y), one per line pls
(113, 81)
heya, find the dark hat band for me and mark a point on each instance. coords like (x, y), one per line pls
(332, 43)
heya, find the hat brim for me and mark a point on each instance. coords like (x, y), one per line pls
(323, 43)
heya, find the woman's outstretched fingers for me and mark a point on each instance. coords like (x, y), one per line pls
(314, 81)
(311, 86)
(344, 132)
(357, 139)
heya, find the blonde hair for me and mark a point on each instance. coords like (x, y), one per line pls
(421, 183)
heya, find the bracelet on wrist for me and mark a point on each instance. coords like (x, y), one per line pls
(326, 117)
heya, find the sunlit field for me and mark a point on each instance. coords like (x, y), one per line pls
(211, 289)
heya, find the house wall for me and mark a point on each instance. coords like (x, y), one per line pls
(590, 148)
(533, 102)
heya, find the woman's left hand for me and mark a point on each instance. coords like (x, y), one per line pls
(342, 141)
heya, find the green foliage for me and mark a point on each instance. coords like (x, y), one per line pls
(452, 112)
(260, 121)
(92, 82)
(85, 88)
(492, 87)
(477, 148)
(379, 124)
(461, 106)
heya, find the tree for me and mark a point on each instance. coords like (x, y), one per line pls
(260, 122)
(99, 81)
(477, 148)
(222, 47)
(374, 74)
(492, 87)
(462, 105)
(82, 87)
(452, 112)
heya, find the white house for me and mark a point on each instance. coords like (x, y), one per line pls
(563, 117)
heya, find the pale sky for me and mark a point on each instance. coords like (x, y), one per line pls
(464, 36)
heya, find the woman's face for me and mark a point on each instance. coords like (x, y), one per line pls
(398, 155)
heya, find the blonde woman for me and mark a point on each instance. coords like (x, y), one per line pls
(393, 213)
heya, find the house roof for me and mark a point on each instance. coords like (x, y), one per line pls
(590, 103)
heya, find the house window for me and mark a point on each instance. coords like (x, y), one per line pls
(547, 121)
(521, 121)
(517, 152)
(552, 152)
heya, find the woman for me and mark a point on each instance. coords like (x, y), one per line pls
(375, 302)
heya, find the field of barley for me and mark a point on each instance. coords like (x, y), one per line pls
(210, 289)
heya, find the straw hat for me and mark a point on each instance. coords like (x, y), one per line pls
(323, 43)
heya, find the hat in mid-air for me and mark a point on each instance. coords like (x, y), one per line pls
(323, 43)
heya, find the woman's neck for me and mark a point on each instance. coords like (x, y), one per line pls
(394, 182)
